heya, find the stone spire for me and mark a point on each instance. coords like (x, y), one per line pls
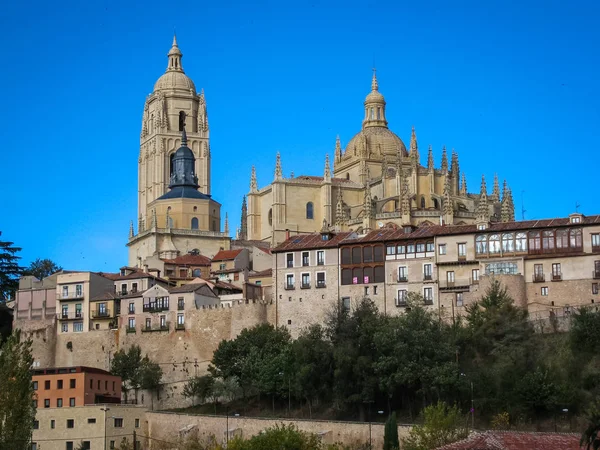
(483, 214)
(495, 197)
(175, 57)
(414, 147)
(463, 185)
(405, 200)
(226, 228)
(243, 230)
(278, 172)
(253, 183)
(384, 167)
(454, 169)
(374, 106)
(374, 84)
(131, 230)
(444, 160)
(327, 172)
(430, 159)
(504, 189)
(507, 209)
(340, 214)
(448, 207)
(338, 151)
(367, 210)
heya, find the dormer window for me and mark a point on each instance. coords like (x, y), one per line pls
(575, 218)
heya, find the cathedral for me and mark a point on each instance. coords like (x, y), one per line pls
(375, 182)
(176, 213)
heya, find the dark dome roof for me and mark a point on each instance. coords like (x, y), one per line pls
(184, 152)
(184, 192)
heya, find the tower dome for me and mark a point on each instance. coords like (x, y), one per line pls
(175, 78)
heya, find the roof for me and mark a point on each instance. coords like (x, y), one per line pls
(320, 179)
(189, 260)
(262, 273)
(517, 440)
(228, 286)
(225, 255)
(227, 271)
(72, 369)
(104, 296)
(184, 192)
(190, 287)
(310, 241)
(110, 276)
(265, 250)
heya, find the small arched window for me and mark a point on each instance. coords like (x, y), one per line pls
(169, 222)
(194, 223)
(548, 240)
(562, 239)
(378, 113)
(481, 244)
(347, 176)
(270, 216)
(521, 242)
(422, 202)
(494, 243)
(181, 120)
(309, 211)
(508, 243)
(171, 168)
(436, 205)
(576, 241)
(372, 114)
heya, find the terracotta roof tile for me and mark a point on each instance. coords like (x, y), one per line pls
(516, 440)
(190, 287)
(189, 260)
(262, 273)
(310, 241)
(225, 255)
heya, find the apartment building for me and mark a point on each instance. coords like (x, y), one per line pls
(74, 291)
(548, 266)
(93, 427)
(185, 268)
(36, 299)
(74, 386)
(231, 266)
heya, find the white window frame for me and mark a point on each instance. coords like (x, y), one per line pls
(450, 276)
(78, 290)
(302, 259)
(180, 319)
(475, 274)
(458, 246)
(462, 299)
(317, 257)
(78, 327)
(544, 291)
(428, 288)
(293, 260)
(65, 291)
(131, 322)
(317, 277)
(293, 279)
(440, 248)
(401, 297)
(431, 270)
(302, 278)
(405, 274)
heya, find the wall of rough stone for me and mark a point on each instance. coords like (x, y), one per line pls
(166, 426)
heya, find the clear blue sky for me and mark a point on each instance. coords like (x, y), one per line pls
(512, 86)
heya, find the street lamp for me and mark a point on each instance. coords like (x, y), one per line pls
(105, 409)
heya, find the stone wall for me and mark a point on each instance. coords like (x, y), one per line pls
(166, 426)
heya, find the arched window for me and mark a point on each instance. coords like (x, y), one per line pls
(575, 235)
(378, 113)
(535, 243)
(270, 216)
(508, 242)
(181, 120)
(548, 240)
(169, 222)
(194, 223)
(347, 176)
(422, 202)
(562, 239)
(521, 242)
(356, 255)
(436, 205)
(372, 114)
(346, 256)
(481, 244)
(494, 243)
(357, 276)
(171, 168)
(309, 211)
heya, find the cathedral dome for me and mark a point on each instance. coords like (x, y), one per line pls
(175, 80)
(175, 77)
(377, 142)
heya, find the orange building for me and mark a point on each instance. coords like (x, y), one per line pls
(75, 386)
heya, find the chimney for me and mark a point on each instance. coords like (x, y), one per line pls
(287, 234)
(145, 268)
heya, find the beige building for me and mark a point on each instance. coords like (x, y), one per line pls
(176, 213)
(548, 266)
(95, 427)
(36, 299)
(375, 181)
(231, 266)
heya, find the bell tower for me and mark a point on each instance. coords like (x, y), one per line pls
(174, 105)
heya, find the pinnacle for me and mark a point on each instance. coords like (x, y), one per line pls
(374, 84)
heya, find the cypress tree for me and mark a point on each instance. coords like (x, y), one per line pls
(390, 438)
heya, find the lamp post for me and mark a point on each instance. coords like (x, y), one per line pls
(105, 409)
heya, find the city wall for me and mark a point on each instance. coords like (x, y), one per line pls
(167, 426)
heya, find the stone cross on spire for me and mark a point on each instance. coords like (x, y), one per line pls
(374, 84)
(278, 172)
(483, 214)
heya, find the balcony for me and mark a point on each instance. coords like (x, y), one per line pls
(154, 308)
(151, 329)
(595, 248)
(320, 262)
(458, 284)
(557, 276)
(130, 330)
(427, 277)
(400, 303)
(78, 315)
(290, 264)
(180, 326)
(403, 279)
(305, 286)
(321, 284)
(539, 277)
(596, 274)
(131, 311)
(289, 287)
(180, 306)
(101, 314)
(70, 295)
(462, 258)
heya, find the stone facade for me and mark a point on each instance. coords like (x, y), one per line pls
(167, 427)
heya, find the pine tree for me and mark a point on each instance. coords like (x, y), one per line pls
(10, 271)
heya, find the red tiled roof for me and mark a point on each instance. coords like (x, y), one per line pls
(225, 255)
(189, 260)
(110, 276)
(262, 273)
(516, 440)
(265, 250)
(310, 241)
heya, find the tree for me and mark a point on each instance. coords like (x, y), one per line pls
(10, 271)
(280, 437)
(149, 376)
(136, 372)
(590, 438)
(41, 268)
(17, 411)
(199, 388)
(441, 425)
(583, 335)
(390, 438)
